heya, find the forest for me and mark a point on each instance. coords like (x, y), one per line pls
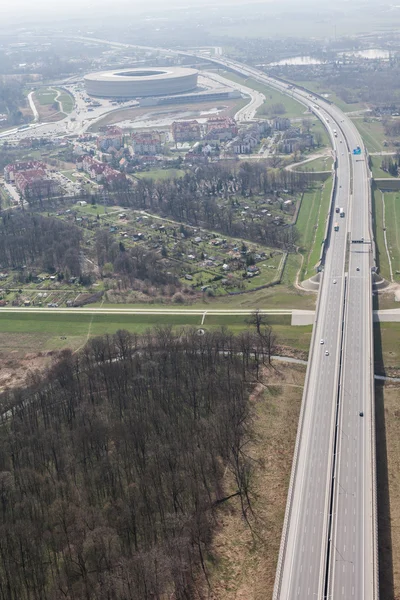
(48, 244)
(11, 99)
(131, 263)
(113, 464)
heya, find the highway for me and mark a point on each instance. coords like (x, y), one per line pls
(329, 540)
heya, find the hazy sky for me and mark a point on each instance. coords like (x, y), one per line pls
(25, 8)
(20, 11)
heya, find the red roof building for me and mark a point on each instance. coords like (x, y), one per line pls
(11, 170)
(147, 143)
(186, 131)
(221, 128)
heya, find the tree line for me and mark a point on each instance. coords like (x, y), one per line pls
(36, 242)
(131, 263)
(112, 465)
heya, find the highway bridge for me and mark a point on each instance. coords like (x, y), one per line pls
(329, 539)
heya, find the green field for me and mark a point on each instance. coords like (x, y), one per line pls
(293, 108)
(311, 224)
(319, 127)
(377, 172)
(45, 96)
(43, 332)
(319, 164)
(319, 88)
(372, 133)
(66, 101)
(160, 174)
(381, 254)
(392, 214)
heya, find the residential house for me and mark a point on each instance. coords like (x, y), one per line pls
(35, 183)
(221, 128)
(186, 131)
(113, 139)
(147, 143)
(11, 170)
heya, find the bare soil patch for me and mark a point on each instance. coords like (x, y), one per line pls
(157, 112)
(243, 560)
(21, 355)
(48, 113)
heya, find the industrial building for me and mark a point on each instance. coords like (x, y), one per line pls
(139, 83)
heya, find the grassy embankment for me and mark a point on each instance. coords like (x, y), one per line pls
(66, 101)
(323, 163)
(311, 224)
(392, 222)
(372, 132)
(390, 202)
(381, 254)
(293, 108)
(46, 105)
(377, 172)
(319, 88)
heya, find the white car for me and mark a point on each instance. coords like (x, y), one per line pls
(322, 342)
(334, 281)
(326, 353)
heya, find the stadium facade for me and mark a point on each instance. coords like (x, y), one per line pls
(141, 83)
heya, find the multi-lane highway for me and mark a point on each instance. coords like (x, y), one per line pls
(329, 542)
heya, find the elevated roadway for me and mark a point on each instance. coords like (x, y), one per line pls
(329, 541)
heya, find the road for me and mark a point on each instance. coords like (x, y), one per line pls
(329, 542)
(33, 107)
(248, 112)
(144, 311)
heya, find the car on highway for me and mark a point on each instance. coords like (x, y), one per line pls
(326, 353)
(334, 281)
(361, 414)
(358, 268)
(322, 342)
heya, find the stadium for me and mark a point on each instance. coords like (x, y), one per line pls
(139, 83)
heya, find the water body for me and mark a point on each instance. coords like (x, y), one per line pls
(297, 61)
(370, 54)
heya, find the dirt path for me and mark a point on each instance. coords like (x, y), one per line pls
(385, 236)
